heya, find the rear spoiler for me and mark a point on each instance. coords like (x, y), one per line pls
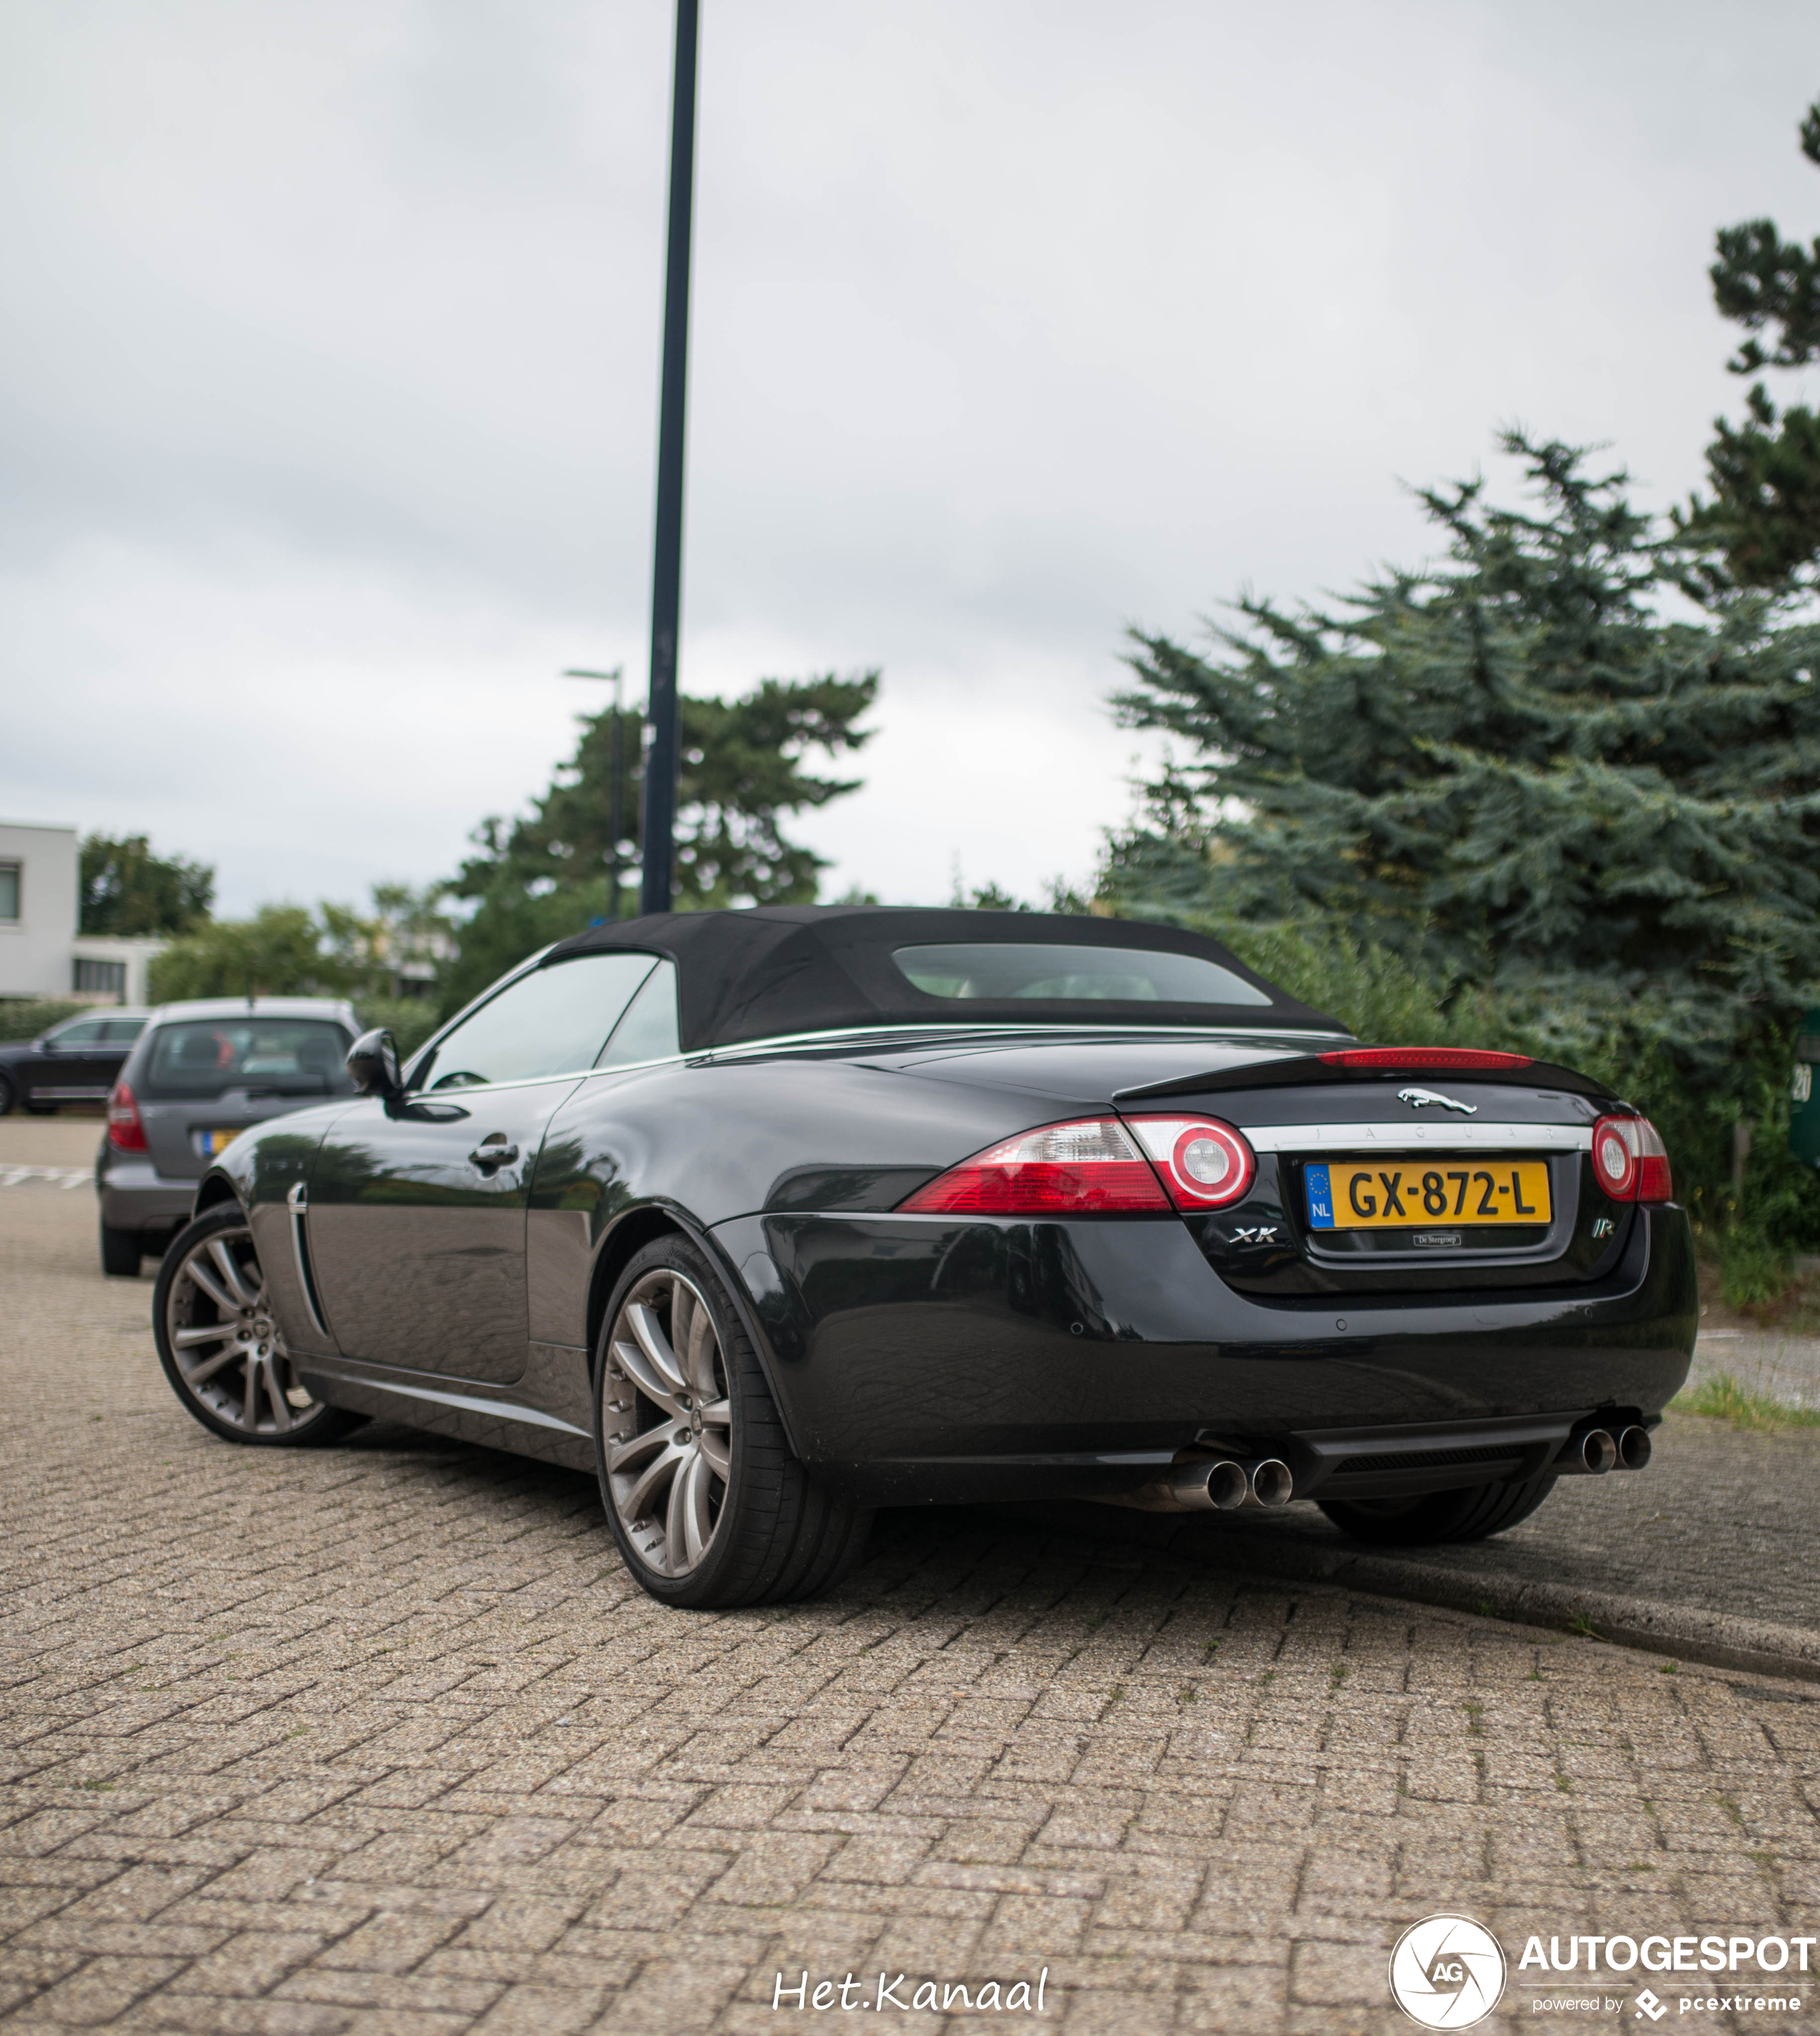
(1319, 1070)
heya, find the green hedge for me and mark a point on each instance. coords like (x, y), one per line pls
(25, 1017)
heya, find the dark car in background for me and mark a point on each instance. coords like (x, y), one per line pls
(773, 1216)
(199, 1074)
(77, 1061)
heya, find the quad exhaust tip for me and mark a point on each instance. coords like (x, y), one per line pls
(1226, 1483)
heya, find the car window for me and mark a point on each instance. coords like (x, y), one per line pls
(122, 1031)
(200, 1057)
(553, 1021)
(1072, 974)
(82, 1032)
(648, 1030)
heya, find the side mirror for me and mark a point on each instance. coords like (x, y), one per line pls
(372, 1063)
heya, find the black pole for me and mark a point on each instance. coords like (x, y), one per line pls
(660, 762)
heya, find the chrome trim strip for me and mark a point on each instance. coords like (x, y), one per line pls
(1230, 1035)
(1441, 1136)
(297, 1201)
(503, 1410)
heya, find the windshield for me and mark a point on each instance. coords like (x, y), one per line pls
(206, 1057)
(1073, 974)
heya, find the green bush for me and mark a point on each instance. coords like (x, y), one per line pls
(410, 1020)
(25, 1017)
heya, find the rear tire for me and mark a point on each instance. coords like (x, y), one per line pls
(8, 1096)
(708, 1507)
(120, 1253)
(1473, 1515)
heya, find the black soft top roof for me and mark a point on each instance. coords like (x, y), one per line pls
(775, 970)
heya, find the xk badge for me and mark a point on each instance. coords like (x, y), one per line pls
(1261, 1233)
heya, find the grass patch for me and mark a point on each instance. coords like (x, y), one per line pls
(1720, 1398)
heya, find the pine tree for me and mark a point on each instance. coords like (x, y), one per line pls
(1763, 517)
(1511, 767)
(743, 773)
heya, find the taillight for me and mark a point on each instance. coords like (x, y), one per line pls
(126, 1128)
(1630, 1162)
(1462, 1059)
(1085, 1168)
(1204, 1163)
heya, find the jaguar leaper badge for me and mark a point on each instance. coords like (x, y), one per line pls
(1420, 1098)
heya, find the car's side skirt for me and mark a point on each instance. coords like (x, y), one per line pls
(544, 1414)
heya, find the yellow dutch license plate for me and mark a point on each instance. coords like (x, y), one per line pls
(1346, 1194)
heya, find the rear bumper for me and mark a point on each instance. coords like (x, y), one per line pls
(941, 1359)
(135, 1196)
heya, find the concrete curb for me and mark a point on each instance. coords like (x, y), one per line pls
(1689, 1633)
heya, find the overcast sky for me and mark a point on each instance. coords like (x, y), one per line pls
(328, 373)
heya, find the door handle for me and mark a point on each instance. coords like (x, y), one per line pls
(487, 1155)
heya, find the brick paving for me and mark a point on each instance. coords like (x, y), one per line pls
(380, 1739)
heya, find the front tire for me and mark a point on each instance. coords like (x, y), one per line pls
(708, 1507)
(120, 1253)
(1473, 1515)
(222, 1351)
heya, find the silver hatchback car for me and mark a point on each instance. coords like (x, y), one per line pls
(200, 1074)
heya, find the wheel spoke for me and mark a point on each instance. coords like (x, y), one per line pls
(698, 1522)
(686, 1524)
(655, 1475)
(636, 1366)
(281, 1406)
(682, 1312)
(622, 1453)
(699, 1355)
(655, 1346)
(206, 1369)
(209, 1333)
(244, 1295)
(250, 1404)
(716, 1453)
(205, 1282)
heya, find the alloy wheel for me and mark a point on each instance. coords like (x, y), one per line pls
(230, 1353)
(667, 1423)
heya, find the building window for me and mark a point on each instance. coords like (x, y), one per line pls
(102, 979)
(8, 891)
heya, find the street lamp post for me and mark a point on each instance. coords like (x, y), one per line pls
(615, 785)
(660, 763)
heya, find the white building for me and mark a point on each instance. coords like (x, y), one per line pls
(41, 953)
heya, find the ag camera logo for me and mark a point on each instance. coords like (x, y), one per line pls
(1447, 1972)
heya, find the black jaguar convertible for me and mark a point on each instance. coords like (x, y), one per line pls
(771, 1217)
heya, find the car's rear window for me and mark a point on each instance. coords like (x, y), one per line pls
(1073, 974)
(206, 1057)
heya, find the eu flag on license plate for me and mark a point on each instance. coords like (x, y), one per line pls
(1321, 1197)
